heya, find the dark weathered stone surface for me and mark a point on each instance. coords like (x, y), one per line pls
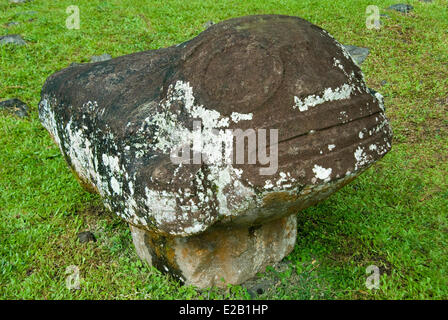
(359, 54)
(12, 39)
(103, 57)
(117, 122)
(401, 7)
(86, 236)
(16, 106)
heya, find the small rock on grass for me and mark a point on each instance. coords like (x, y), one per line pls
(12, 24)
(12, 39)
(15, 106)
(259, 287)
(401, 7)
(208, 24)
(358, 54)
(267, 284)
(19, 1)
(103, 57)
(86, 236)
(74, 64)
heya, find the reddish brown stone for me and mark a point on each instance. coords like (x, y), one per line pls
(220, 256)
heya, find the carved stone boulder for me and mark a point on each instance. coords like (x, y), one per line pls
(210, 148)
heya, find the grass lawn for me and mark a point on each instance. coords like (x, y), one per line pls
(395, 216)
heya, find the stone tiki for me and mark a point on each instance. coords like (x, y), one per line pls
(218, 221)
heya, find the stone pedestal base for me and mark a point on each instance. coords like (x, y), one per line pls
(221, 256)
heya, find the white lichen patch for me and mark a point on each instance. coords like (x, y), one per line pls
(80, 152)
(170, 134)
(195, 228)
(47, 118)
(284, 177)
(337, 64)
(380, 100)
(161, 205)
(322, 173)
(237, 117)
(268, 185)
(285, 181)
(361, 157)
(341, 93)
